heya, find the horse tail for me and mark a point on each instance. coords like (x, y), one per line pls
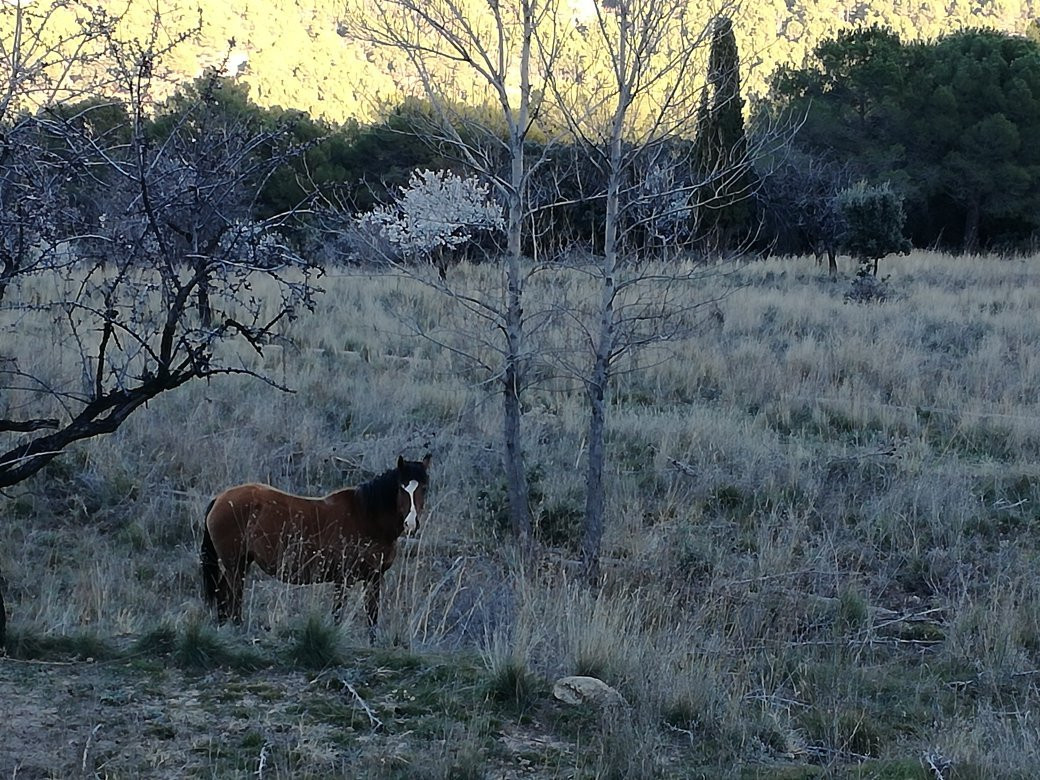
(210, 561)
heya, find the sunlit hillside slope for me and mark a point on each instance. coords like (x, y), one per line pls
(299, 53)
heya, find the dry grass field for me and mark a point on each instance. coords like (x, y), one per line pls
(820, 560)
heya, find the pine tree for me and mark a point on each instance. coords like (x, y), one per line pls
(725, 209)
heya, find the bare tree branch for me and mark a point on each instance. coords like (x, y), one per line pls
(138, 237)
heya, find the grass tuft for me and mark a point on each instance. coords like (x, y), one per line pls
(161, 640)
(316, 645)
(200, 648)
(510, 681)
(81, 646)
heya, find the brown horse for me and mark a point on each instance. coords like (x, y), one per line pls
(346, 536)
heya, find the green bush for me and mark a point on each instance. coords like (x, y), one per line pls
(873, 221)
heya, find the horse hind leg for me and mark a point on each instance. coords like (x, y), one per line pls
(213, 584)
(229, 603)
(222, 586)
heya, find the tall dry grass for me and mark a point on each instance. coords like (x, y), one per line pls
(821, 541)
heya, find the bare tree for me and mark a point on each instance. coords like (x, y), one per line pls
(39, 50)
(630, 119)
(483, 54)
(117, 231)
(149, 225)
(48, 52)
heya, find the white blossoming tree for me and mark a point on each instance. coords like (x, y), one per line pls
(437, 214)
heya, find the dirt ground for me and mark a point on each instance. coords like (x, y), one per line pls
(144, 719)
(67, 719)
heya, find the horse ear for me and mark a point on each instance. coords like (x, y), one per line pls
(400, 463)
(426, 461)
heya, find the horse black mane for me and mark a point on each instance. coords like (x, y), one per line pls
(381, 492)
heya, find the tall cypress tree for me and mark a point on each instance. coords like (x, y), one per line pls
(725, 209)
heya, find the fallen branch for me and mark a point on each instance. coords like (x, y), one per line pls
(262, 762)
(337, 678)
(683, 468)
(829, 754)
(376, 723)
(86, 747)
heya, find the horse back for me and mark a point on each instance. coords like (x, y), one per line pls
(297, 538)
(236, 505)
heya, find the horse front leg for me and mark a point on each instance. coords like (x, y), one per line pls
(372, 588)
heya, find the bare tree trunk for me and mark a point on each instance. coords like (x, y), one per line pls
(3, 616)
(515, 469)
(516, 475)
(9, 268)
(593, 524)
(205, 309)
(971, 226)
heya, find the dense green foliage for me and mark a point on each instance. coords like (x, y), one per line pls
(948, 123)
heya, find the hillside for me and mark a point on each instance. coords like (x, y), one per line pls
(298, 54)
(820, 557)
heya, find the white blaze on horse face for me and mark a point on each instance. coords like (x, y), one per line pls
(411, 520)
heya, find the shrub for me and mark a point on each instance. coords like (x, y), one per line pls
(873, 220)
(867, 287)
(316, 645)
(438, 212)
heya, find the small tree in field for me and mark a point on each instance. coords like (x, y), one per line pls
(627, 90)
(872, 223)
(800, 197)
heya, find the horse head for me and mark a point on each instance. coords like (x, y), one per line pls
(412, 480)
